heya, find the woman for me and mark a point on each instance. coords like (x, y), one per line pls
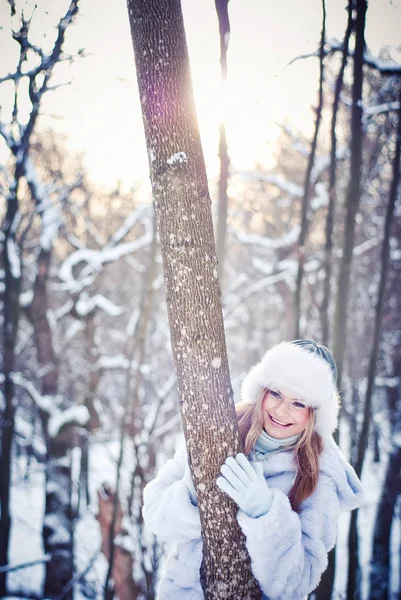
(289, 486)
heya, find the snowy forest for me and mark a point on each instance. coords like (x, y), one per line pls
(93, 342)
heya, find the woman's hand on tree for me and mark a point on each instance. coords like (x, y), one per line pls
(245, 484)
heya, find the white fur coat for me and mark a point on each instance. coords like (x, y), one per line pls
(288, 550)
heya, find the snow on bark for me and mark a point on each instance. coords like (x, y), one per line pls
(25, 299)
(74, 415)
(50, 405)
(177, 158)
(51, 216)
(14, 258)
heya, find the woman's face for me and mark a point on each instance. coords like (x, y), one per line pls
(283, 416)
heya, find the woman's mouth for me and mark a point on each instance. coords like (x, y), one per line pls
(278, 423)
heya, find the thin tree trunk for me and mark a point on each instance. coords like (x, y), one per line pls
(307, 185)
(325, 588)
(12, 268)
(353, 567)
(224, 30)
(328, 250)
(380, 562)
(18, 140)
(135, 352)
(353, 194)
(182, 203)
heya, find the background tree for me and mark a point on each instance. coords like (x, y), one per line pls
(224, 32)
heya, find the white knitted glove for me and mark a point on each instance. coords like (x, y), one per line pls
(245, 484)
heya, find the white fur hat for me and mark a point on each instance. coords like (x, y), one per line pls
(304, 370)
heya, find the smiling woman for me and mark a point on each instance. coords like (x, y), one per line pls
(289, 484)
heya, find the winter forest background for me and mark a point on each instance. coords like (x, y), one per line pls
(301, 135)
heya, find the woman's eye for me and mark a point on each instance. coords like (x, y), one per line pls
(275, 394)
(299, 405)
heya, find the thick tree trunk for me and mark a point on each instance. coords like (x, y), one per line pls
(307, 186)
(182, 204)
(224, 30)
(353, 567)
(57, 525)
(12, 268)
(353, 194)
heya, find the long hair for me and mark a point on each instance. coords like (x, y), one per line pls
(306, 451)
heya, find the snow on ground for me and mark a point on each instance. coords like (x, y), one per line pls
(27, 506)
(27, 503)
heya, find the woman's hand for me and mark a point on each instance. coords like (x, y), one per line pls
(245, 484)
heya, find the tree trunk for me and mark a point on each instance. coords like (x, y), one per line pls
(380, 562)
(18, 140)
(353, 194)
(325, 588)
(57, 525)
(110, 511)
(307, 186)
(224, 30)
(182, 204)
(353, 567)
(328, 250)
(12, 268)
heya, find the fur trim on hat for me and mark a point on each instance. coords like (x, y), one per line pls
(297, 372)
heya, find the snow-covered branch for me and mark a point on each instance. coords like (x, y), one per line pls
(133, 218)
(95, 259)
(38, 78)
(32, 563)
(333, 46)
(85, 305)
(385, 67)
(284, 241)
(74, 415)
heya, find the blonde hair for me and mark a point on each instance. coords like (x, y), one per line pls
(306, 451)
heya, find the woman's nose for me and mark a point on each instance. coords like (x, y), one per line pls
(282, 408)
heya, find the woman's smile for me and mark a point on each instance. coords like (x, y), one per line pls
(279, 423)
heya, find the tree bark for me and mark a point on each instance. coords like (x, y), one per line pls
(182, 204)
(353, 567)
(307, 185)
